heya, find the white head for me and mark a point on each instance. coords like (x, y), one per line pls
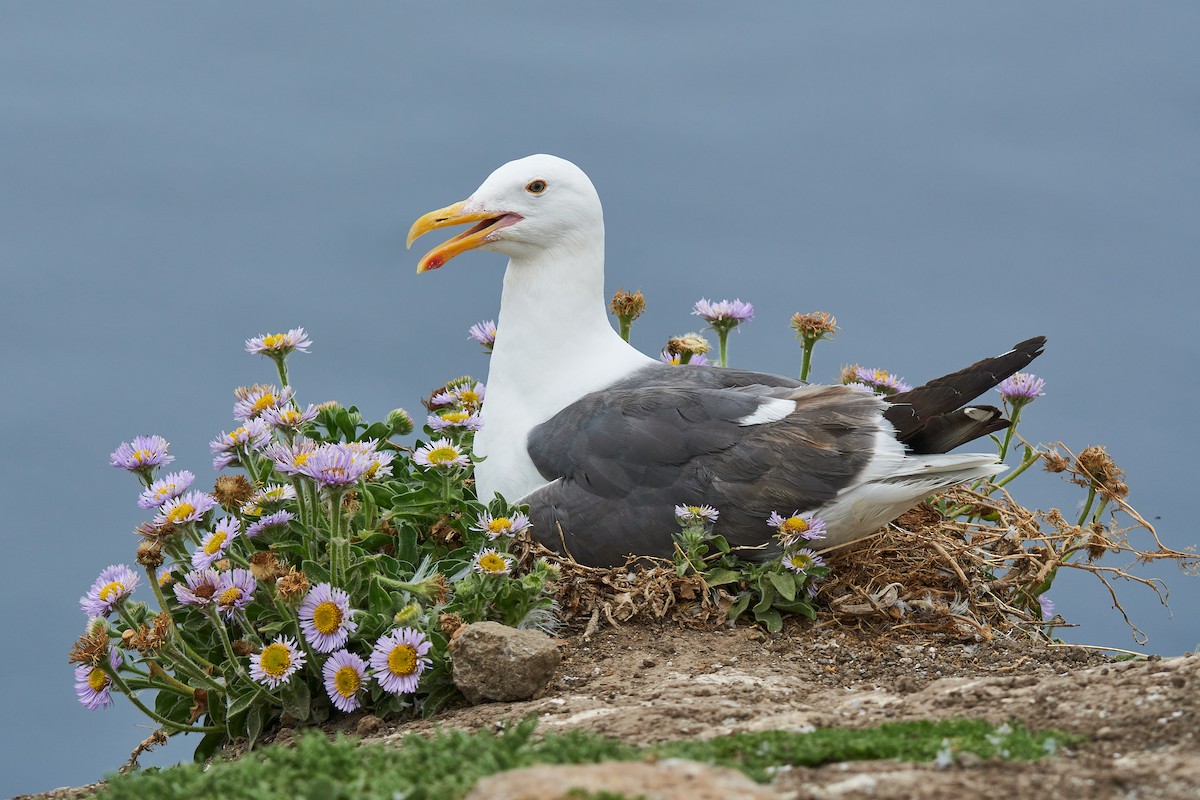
(524, 208)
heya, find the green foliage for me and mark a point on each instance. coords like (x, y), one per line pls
(402, 541)
(446, 765)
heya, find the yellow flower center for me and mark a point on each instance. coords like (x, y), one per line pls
(500, 525)
(290, 417)
(881, 375)
(215, 543)
(274, 341)
(801, 560)
(468, 397)
(165, 491)
(402, 660)
(347, 681)
(275, 659)
(230, 596)
(263, 403)
(141, 455)
(371, 470)
(493, 564)
(180, 512)
(165, 578)
(455, 417)
(300, 459)
(794, 525)
(111, 590)
(97, 679)
(233, 437)
(442, 455)
(327, 617)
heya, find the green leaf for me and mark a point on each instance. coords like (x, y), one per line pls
(720, 576)
(784, 584)
(208, 745)
(241, 703)
(254, 725)
(317, 573)
(378, 600)
(297, 700)
(770, 619)
(377, 430)
(718, 541)
(797, 607)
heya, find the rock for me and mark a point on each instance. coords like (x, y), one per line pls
(368, 725)
(673, 779)
(491, 661)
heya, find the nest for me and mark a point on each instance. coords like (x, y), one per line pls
(969, 564)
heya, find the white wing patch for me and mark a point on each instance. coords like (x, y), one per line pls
(771, 410)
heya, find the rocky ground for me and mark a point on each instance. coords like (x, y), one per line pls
(651, 683)
(645, 683)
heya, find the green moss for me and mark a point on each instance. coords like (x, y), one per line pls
(446, 765)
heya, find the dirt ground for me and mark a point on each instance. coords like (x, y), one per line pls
(653, 683)
(646, 683)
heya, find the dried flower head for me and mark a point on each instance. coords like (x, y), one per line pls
(1054, 461)
(232, 491)
(92, 646)
(449, 623)
(628, 305)
(815, 326)
(149, 553)
(1095, 463)
(292, 585)
(689, 344)
(265, 566)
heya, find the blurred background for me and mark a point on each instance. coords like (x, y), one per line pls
(945, 178)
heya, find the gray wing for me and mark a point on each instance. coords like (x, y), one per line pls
(621, 459)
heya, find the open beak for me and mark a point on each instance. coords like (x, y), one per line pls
(488, 222)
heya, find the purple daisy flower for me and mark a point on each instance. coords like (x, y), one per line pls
(879, 380)
(441, 454)
(189, 507)
(199, 588)
(495, 527)
(213, 546)
(114, 584)
(290, 418)
(484, 333)
(280, 344)
(93, 685)
(378, 461)
(145, 452)
(802, 560)
(168, 488)
(255, 435)
(1047, 606)
(796, 528)
(345, 677)
(705, 514)
(463, 394)
(325, 618)
(235, 591)
(1021, 387)
(466, 420)
(269, 523)
(491, 562)
(270, 495)
(697, 359)
(724, 313)
(336, 465)
(289, 459)
(399, 659)
(277, 662)
(259, 400)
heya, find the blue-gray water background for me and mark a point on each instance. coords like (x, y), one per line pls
(946, 178)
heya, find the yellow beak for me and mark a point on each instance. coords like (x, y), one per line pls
(468, 240)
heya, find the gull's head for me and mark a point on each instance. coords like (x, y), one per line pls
(525, 207)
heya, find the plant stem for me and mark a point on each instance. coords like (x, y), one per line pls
(281, 365)
(225, 643)
(625, 323)
(1087, 507)
(723, 344)
(124, 687)
(1012, 427)
(806, 358)
(1026, 462)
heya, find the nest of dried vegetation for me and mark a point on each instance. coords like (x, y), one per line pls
(971, 575)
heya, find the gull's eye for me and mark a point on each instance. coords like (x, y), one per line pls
(536, 187)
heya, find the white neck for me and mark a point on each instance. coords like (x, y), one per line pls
(554, 344)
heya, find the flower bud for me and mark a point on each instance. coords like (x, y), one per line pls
(400, 422)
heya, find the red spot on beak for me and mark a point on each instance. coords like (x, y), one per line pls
(434, 262)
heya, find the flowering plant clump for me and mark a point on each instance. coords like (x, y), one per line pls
(320, 574)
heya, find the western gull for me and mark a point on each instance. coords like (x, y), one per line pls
(602, 441)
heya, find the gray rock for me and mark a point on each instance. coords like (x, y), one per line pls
(491, 661)
(675, 779)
